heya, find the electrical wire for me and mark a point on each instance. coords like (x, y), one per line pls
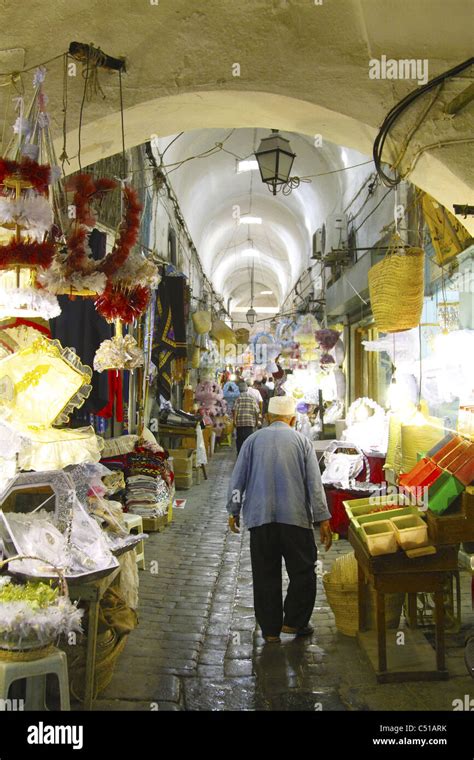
(122, 127)
(31, 68)
(64, 157)
(81, 111)
(375, 209)
(395, 113)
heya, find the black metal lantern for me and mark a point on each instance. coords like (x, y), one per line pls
(275, 159)
(251, 316)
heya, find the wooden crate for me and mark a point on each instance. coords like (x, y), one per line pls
(182, 461)
(155, 524)
(183, 482)
(454, 526)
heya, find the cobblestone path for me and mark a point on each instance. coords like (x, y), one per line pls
(197, 647)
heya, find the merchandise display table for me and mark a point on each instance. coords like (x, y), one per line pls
(92, 593)
(394, 573)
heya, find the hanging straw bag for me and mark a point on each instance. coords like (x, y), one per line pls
(222, 332)
(242, 335)
(201, 322)
(397, 288)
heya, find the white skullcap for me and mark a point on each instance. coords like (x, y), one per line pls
(284, 406)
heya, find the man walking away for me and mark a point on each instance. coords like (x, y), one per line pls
(246, 415)
(276, 483)
(264, 393)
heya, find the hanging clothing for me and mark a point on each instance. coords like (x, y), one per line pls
(115, 395)
(169, 335)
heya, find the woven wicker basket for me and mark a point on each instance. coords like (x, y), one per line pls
(26, 655)
(342, 592)
(30, 649)
(396, 286)
(343, 600)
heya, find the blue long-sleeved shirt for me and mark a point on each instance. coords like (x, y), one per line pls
(231, 393)
(276, 479)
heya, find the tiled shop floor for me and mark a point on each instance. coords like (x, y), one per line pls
(197, 647)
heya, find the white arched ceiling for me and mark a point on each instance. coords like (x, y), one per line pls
(304, 67)
(212, 195)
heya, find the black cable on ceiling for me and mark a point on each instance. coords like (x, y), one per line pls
(397, 110)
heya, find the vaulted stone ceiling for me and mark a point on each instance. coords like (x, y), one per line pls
(303, 68)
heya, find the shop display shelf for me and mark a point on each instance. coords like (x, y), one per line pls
(411, 531)
(380, 537)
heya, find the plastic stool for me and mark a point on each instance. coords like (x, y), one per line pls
(132, 523)
(35, 671)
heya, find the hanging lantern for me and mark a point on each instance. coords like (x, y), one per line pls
(251, 316)
(275, 159)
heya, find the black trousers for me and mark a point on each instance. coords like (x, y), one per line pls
(268, 544)
(243, 433)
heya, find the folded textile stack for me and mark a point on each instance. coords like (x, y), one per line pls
(145, 459)
(147, 495)
(149, 481)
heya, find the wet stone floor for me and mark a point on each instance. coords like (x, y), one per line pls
(197, 646)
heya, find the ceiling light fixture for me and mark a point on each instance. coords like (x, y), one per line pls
(266, 292)
(250, 252)
(250, 219)
(275, 159)
(247, 165)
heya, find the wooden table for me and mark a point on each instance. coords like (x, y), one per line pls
(92, 593)
(394, 573)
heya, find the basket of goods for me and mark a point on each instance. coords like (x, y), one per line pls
(396, 286)
(33, 616)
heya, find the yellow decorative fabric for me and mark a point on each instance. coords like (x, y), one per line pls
(53, 449)
(49, 381)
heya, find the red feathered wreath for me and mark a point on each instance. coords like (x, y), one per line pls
(19, 252)
(87, 189)
(32, 254)
(38, 175)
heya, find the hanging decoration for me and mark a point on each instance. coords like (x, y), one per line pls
(367, 426)
(124, 304)
(120, 352)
